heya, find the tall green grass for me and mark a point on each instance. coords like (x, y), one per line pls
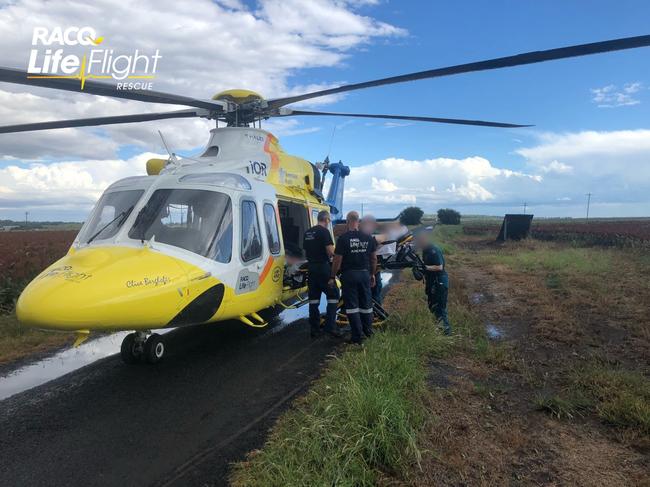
(362, 419)
(570, 259)
(621, 397)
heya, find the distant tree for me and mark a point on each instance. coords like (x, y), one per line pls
(411, 216)
(447, 216)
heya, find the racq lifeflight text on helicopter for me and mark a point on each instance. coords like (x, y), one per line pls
(202, 240)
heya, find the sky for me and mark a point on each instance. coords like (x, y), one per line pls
(591, 132)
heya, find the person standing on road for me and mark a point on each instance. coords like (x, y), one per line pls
(356, 258)
(436, 280)
(319, 249)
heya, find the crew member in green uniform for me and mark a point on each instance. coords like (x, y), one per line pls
(436, 280)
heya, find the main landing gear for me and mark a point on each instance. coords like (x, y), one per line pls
(137, 347)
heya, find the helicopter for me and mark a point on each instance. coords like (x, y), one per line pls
(205, 239)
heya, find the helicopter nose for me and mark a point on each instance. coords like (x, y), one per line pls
(107, 288)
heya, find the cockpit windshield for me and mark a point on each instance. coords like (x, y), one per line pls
(110, 213)
(196, 220)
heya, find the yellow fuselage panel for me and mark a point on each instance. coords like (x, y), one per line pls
(292, 177)
(110, 288)
(113, 288)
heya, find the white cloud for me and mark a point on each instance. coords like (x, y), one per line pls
(286, 127)
(432, 182)
(206, 47)
(64, 185)
(559, 170)
(383, 185)
(555, 166)
(611, 96)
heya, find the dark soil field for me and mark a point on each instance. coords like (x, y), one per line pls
(555, 387)
(23, 254)
(634, 233)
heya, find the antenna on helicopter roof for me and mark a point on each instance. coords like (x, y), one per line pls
(329, 149)
(172, 156)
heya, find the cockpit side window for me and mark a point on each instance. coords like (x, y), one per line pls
(110, 213)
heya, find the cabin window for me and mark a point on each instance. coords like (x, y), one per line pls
(111, 212)
(271, 225)
(294, 221)
(314, 216)
(212, 151)
(251, 238)
(196, 220)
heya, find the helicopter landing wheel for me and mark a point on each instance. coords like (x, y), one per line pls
(154, 349)
(132, 348)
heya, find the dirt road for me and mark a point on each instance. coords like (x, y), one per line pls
(180, 422)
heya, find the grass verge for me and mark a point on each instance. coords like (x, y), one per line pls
(17, 341)
(362, 419)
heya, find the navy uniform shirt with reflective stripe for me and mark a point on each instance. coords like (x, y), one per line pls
(355, 247)
(432, 255)
(315, 243)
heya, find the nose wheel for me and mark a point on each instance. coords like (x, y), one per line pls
(137, 347)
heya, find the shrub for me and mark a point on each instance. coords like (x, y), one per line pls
(411, 216)
(447, 216)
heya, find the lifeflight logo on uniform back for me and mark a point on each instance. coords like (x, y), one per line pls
(48, 61)
(357, 245)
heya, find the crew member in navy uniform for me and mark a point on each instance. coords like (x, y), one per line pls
(356, 258)
(319, 249)
(369, 226)
(436, 280)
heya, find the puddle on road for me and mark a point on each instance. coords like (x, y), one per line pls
(385, 278)
(59, 364)
(494, 332)
(477, 298)
(71, 359)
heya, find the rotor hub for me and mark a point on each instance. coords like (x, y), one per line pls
(249, 106)
(239, 96)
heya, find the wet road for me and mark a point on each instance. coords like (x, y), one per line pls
(180, 422)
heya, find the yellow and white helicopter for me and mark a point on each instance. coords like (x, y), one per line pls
(202, 240)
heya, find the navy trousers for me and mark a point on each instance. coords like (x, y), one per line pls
(437, 293)
(358, 303)
(317, 284)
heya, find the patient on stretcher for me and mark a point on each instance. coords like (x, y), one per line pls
(295, 266)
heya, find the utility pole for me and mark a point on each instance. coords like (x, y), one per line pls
(588, 203)
(361, 210)
(524, 207)
(26, 217)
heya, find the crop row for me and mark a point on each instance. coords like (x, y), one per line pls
(23, 255)
(624, 233)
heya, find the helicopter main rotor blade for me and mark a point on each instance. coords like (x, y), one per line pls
(456, 121)
(20, 77)
(89, 122)
(502, 62)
